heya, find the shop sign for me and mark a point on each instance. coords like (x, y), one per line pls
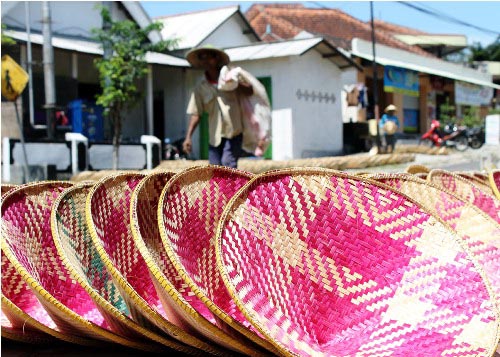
(472, 94)
(400, 80)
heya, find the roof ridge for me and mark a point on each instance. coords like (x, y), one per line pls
(195, 12)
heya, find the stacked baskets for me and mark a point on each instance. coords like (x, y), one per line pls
(292, 262)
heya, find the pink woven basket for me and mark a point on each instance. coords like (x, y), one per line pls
(29, 246)
(189, 209)
(477, 180)
(108, 220)
(74, 245)
(181, 305)
(467, 190)
(29, 335)
(494, 181)
(324, 263)
(478, 230)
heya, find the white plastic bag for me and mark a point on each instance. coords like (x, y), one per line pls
(256, 109)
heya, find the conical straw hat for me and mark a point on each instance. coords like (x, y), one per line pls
(29, 246)
(108, 220)
(181, 305)
(494, 180)
(324, 263)
(478, 230)
(189, 209)
(466, 190)
(74, 245)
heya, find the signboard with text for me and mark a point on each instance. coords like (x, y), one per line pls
(472, 94)
(400, 80)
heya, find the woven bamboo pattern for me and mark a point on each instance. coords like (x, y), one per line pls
(108, 219)
(74, 245)
(31, 336)
(4, 188)
(477, 181)
(30, 248)
(466, 190)
(189, 209)
(494, 180)
(328, 264)
(359, 161)
(181, 305)
(479, 231)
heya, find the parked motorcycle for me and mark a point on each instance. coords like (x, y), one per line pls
(476, 137)
(173, 150)
(452, 136)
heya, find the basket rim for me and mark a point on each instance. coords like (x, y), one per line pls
(421, 169)
(7, 304)
(463, 180)
(410, 177)
(27, 336)
(193, 171)
(178, 334)
(494, 187)
(323, 171)
(162, 280)
(93, 293)
(45, 295)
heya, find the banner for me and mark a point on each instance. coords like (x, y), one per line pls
(472, 94)
(400, 80)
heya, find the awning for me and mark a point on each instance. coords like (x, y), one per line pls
(389, 56)
(91, 47)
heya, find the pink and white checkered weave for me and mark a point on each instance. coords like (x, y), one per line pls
(327, 264)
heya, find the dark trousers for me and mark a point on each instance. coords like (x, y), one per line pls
(227, 153)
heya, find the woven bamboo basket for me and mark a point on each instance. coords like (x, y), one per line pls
(33, 324)
(494, 180)
(476, 180)
(478, 230)
(108, 220)
(31, 336)
(328, 264)
(189, 208)
(29, 246)
(74, 245)
(182, 306)
(466, 190)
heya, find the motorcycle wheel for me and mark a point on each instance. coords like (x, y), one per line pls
(475, 143)
(461, 143)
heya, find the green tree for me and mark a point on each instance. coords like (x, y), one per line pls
(489, 53)
(447, 112)
(125, 65)
(6, 40)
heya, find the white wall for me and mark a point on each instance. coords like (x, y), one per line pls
(317, 126)
(230, 34)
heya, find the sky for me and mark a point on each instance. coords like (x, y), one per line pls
(483, 14)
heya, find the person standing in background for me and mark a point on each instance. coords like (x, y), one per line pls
(388, 126)
(225, 115)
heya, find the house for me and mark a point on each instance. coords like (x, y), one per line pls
(75, 74)
(409, 73)
(306, 120)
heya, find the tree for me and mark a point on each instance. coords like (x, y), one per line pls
(488, 53)
(6, 40)
(123, 67)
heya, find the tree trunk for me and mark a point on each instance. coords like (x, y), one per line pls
(117, 120)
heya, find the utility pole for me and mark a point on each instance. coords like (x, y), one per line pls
(48, 70)
(375, 87)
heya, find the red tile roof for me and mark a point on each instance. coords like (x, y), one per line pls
(396, 29)
(339, 28)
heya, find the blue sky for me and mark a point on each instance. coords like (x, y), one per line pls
(484, 14)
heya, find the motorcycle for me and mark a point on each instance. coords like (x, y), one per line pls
(173, 150)
(453, 136)
(476, 137)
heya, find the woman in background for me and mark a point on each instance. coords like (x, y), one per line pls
(388, 126)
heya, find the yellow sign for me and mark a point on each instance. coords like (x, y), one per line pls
(14, 78)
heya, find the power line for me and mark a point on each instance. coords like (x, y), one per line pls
(445, 17)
